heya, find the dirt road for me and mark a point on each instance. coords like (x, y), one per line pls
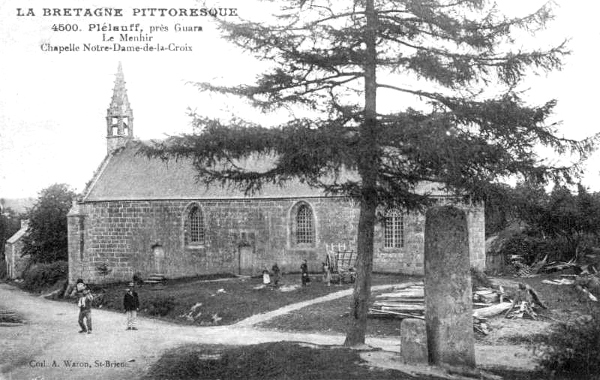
(48, 345)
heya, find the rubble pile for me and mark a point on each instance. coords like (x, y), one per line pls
(543, 266)
(583, 274)
(408, 301)
(587, 285)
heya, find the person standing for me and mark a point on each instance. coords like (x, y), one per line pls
(326, 274)
(276, 275)
(304, 270)
(131, 303)
(85, 311)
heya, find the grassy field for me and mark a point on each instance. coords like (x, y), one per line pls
(226, 300)
(280, 360)
(289, 361)
(223, 300)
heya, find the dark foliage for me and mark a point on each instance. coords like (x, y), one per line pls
(41, 276)
(573, 348)
(561, 223)
(159, 305)
(46, 239)
(530, 248)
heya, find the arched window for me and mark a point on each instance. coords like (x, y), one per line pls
(304, 225)
(194, 226)
(394, 229)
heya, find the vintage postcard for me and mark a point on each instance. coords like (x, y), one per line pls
(248, 189)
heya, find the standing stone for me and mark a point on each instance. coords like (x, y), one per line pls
(448, 296)
(413, 341)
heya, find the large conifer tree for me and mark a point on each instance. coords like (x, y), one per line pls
(438, 58)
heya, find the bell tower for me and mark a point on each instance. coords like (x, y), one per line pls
(119, 116)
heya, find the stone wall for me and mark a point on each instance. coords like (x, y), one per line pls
(15, 263)
(122, 234)
(409, 258)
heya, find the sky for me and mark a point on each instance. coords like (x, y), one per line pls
(53, 106)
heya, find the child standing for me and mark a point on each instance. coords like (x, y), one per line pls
(304, 269)
(266, 277)
(131, 303)
(85, 311)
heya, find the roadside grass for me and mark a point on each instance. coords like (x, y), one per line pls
(224, 300)
(280, 360)
(289, 361)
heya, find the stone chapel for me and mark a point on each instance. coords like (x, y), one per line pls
(141, 215)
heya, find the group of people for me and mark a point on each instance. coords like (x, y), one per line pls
(131, 304)
(272, 277)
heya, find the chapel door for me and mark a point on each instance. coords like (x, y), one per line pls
(246, 253)
(159, 259)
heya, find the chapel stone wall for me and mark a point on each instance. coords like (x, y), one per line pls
(120, 235)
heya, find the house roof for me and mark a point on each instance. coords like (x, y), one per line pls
(17, 236)
(127, 175)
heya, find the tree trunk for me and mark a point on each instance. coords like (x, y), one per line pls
(367, 168)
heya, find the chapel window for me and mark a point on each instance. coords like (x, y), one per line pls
(194, 226)
(394, 229)
(304, 225)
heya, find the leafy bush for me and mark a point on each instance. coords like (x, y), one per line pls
(531, 248)
(573, 348)
(41, 276)
(160, 305)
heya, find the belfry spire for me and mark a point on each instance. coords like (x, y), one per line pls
(119, 116)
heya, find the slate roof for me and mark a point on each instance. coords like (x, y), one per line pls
(17, 236)
(126, 175)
